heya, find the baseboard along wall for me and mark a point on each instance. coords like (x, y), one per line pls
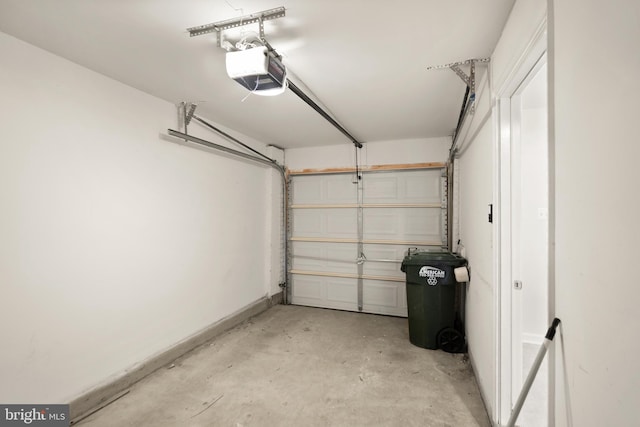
(104, 394)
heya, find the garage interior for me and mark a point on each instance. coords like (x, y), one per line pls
(180, 249)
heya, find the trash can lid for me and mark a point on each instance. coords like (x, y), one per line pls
(431, 257)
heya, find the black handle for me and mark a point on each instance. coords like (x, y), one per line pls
(551, 332)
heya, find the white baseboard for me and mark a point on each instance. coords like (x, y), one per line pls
(483, 396)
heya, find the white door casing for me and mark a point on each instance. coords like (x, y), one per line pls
(508, 262)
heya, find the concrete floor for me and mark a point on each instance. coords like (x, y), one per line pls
(300, 366)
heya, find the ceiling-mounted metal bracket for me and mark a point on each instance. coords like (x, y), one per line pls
(220, 26)
(186, 112)
(469, 80)
(259, 18)
(467, 62)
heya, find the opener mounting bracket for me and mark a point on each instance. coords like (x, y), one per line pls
(220, 26)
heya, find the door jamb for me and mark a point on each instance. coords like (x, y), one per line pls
(531, 55)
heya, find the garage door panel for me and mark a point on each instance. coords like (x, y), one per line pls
(381, 294)
(328, 292)
(377, 188)
(336, 223)
(339, 189)
(384, 269)
(402, 208)
(381, 224)
(319, 256)
(386, 253)
(424, 187)
(308, 223)
(307, 256)
(425, 224)
(309, 288)
(341, 291)
(341, 223)
(421, 186)
(405, 224)
(327, 189)
(342, 258)
(385, 298)
(307, 190)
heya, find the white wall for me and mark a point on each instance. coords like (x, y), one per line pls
(116, 243)
(594, 67)
(523, 22)
(372, 153)
(593, 75)
(476, 179)
(475, 193)
(477, 167)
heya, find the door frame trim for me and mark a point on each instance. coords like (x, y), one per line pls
(529, 59)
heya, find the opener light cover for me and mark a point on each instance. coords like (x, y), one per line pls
(258, 70)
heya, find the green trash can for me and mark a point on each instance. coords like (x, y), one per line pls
(432, 296)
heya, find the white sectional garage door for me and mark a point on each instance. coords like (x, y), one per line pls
(346, 250)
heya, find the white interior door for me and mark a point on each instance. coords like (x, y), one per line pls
(399, 209)
(529, 240)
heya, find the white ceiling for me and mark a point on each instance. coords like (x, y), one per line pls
(365, 60)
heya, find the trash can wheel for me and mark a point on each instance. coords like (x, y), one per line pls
(450, 340)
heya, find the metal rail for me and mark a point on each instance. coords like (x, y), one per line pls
(226, 135)
(295, 89)
(227, 150)
(360, 218)
(278, 12)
